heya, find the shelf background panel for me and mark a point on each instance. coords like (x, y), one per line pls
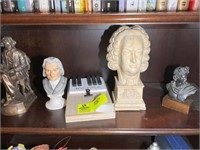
(171, 46)
(155, 120)
(100, 18)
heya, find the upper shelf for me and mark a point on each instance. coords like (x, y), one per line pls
(100, 18)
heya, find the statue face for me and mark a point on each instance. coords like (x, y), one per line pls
(131, 58)
(181, 79)
(52, 71)
(7, 45)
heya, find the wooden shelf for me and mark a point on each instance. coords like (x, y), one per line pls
(155, 120)
(41, 35)
(100, 18)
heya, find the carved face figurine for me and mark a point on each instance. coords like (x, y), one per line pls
(52, 71)
(131, 59)
(180, 75)
(52, 68)
(128, 54)
(8, 43)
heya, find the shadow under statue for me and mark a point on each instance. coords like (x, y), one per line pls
(128, 53)
(15, 78)
(179, 90)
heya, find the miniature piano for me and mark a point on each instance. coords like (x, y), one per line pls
(85, 90)
(79, 85)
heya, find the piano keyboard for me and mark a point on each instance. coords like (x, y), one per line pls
(81, 85)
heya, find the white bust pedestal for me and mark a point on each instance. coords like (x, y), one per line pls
(55, 102)
(128, 97)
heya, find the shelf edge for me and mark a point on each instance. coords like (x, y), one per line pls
(97, 131)
(101, 18)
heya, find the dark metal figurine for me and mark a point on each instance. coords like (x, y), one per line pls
(15, 77)
(179, 89)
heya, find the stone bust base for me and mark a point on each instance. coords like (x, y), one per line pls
(55, 103)
(128, 97)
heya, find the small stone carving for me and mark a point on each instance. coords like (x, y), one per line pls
(128, 54)
(55, 83)
(179, 89)
(15, 77)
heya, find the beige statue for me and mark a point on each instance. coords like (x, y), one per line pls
(128, 54)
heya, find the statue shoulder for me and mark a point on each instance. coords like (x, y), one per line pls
(189, 88)
(63, 79)
(168, 85)
(18, 51)
(23, 55)
(45, 81)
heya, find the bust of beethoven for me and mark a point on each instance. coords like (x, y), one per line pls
(179, 89)
(54, 83)
(128, 53)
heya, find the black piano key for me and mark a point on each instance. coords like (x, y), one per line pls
(74, 81)
(89, 81)
(79, 81)
(99, 80)
(94, 82)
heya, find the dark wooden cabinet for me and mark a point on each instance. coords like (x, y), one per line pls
(80, 41)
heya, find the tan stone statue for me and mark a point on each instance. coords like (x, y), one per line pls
(128, 54)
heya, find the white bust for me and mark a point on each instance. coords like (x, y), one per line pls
(54, 83)
(128, 54)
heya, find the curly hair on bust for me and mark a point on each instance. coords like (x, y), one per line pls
(114, 47)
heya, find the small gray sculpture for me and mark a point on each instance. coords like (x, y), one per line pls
(55, 83)
(179, 89)
(15, 77)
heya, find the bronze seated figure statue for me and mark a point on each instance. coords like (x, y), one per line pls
(15, 78)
